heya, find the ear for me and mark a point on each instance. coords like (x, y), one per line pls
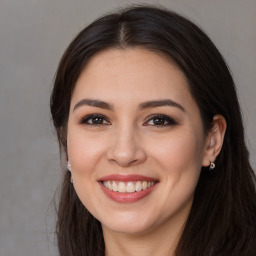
(214, 140)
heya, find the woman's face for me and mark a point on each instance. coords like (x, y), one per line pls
(135, 141)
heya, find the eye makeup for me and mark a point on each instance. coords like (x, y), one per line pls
(160, 120)
(94, 119)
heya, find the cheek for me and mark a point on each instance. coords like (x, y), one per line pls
(180, 161)
(179, 156)
(84, 151)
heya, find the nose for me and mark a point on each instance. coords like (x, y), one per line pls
(126, 148)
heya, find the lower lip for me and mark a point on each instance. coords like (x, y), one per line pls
(126, 197)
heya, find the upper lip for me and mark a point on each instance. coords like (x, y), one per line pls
(126, 178)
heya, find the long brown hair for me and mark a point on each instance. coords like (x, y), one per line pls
(222, 220)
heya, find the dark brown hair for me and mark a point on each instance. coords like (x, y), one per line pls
(222, 220)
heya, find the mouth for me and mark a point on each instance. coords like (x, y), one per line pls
(127, 188)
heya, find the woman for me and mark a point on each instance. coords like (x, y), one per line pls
(147, 115)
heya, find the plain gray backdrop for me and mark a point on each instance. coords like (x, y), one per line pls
(33, 36)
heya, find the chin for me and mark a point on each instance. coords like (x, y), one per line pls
(127, 228)
(128, 223)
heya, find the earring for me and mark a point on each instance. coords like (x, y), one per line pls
(69, 168)
(212, 166)
(68, 165)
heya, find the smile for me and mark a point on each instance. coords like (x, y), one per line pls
(128, 187)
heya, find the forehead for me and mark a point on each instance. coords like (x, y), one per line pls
(133, 73)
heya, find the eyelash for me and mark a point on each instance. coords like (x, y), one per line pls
(94, 116)
(168, 121)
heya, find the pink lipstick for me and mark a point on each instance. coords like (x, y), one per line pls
(127, 188)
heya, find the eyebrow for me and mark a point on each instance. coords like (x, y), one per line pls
(142, 106)
(160, 103)
(93, 103)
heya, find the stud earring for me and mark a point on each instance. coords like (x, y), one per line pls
(69, 168)
(212, 166)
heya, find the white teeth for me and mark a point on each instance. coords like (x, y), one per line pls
(138, 186)
(109, 185)
(121, 187)
(144, 185)
(128, 187)
(114, 186)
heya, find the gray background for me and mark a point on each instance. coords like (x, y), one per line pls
(33, 36)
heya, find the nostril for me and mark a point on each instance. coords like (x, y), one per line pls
(123, 162)
(126, 151)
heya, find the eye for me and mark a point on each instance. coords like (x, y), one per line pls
(95, 119)
(160, 120)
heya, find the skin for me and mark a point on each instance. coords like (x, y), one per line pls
(128, 140)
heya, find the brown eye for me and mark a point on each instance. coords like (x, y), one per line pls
(160, 120)
(95, 119)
